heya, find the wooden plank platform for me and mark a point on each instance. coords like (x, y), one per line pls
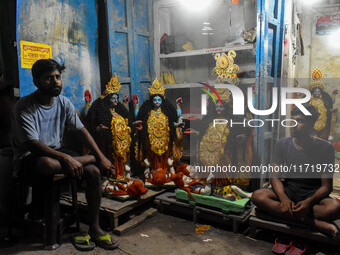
(134, 222)
(168, 202)
(290, 228)
(112, 210)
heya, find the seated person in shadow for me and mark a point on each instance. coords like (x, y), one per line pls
(39, 121)
(304, 196)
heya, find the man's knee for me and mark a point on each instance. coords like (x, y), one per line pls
(259, 197)
(47, 166)
(329, 209)
(92, 173)
(333, 209)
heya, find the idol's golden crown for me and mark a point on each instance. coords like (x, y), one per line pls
(157, 88)
(316, 76)
(224, 94)
(113, 86)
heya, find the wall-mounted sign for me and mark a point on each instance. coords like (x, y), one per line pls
(327, 24)
(31, 52)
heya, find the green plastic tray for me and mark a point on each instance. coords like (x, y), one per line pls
(226, 205)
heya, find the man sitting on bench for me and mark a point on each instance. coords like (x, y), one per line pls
(39, 121)
(304, 198)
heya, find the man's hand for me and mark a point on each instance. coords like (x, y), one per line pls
(286, 207)
(106, 165)
(301, 209)
(72, 165)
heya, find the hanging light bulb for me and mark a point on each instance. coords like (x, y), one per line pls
(310, 3)
(196, 5)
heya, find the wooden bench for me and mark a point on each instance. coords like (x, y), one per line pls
(265, 221)
(44, 211)
(111, 211)
(168, 202)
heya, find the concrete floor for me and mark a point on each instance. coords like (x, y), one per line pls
(166, 234)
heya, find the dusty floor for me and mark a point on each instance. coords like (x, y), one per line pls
(161, 234)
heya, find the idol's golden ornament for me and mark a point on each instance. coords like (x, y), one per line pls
(318, 102)
(157, 88)
(316, 76)
(212, 144)
(158, 129)
(224, 94)
(225, 68)
(177, 148)
(121, 138)
(212, 150)
(112, 87)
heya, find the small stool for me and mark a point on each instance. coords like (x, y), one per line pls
(44, 210)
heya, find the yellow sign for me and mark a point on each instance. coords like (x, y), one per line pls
(31, 52)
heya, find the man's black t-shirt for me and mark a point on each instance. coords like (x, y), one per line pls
(304, 176)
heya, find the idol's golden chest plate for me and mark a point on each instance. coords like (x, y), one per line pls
(121, 138)
(321, 122)
(212, 144)
(158, 130)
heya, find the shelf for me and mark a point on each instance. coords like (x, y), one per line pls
(207, 51)
(198, 85)
(247, 81)
(246, 67)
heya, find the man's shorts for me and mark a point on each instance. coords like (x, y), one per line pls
(28, 166)
(297, 194)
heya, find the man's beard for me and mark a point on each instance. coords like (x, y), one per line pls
(56, 92)
(53, 92)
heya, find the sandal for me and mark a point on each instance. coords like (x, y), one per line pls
(83, 243)
(106, 242)
(296, 251)
(280, 248)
